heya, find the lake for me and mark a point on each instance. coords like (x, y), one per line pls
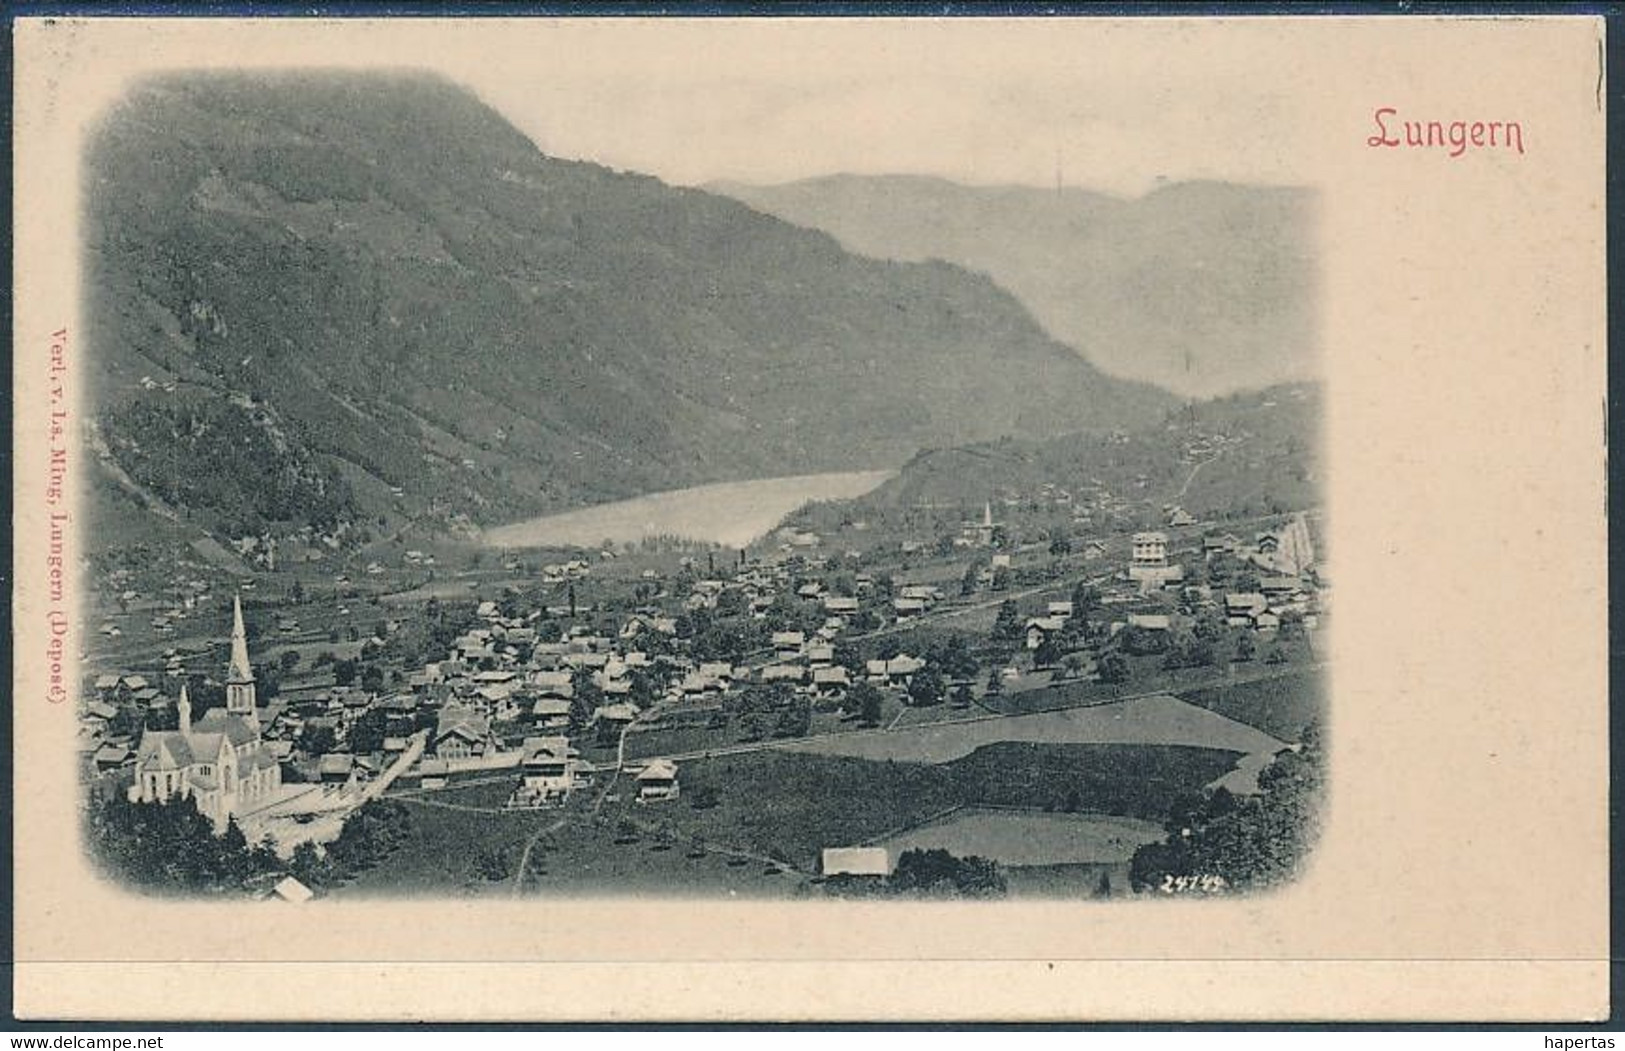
(732, 514)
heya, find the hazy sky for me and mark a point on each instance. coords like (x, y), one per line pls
(1117, 106)
(1119, 102)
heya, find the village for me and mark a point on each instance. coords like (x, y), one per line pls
(599, 682)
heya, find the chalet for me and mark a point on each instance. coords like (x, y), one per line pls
(1060, 609)
(820, 654)
(793, 673)
(1279, 587)
(545, 769)
(111, 757)
(908, 608)
(811, 589)
(840, 604)
(788, 644)
(1265, 620)
(1000, 561)
(901, 668)
(100, 711)
(1179, 517)
(338, 768)
(616, 716)
(557, 684)
(924, 592)
(1150, 621)
(657, 781)
(462, 733)
(1242, 606)
(831, 681)
(1041, 628)
(550, 713)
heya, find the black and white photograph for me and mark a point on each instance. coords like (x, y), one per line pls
(474, 513)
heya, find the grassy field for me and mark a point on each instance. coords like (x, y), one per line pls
(1157, 720)
(794, 804)
(457, 852)
(1280, 707)
(1020, 838)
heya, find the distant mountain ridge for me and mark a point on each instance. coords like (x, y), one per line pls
(1203, 288)
(389, 299)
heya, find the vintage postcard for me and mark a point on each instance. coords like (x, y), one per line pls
(810, 519)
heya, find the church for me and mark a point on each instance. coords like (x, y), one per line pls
(219, 760)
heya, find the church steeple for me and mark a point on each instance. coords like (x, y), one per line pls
(240, 675)
(240, 670)
(183, 708)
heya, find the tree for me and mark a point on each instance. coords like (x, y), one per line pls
(1114, 668)
(963, 698)
(290, 660)
(1048, 653)
(317, 739)
(795, 719)
(1246, 646)
(367, 733)
(926, 688)
(866, 699)
(344, 672)
(1060, 545)
(1007, 625)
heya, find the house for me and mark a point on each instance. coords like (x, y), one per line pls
(1279, 587)
(462, 733)
(657, 781)
(338, 768)
(617, 716)
(787, 644)
(1060, 609)
(901, 668)
(433, 773)
(1150, 549)
(111, 757)
(1094, 549)
(1266, 621)
(1150, 621)
(831, 681)
(545, 769)
(924, 592)
(1179, 517)
(908, 608)
(550, 713)
(1041, 628)
(855, 861)
(1240, 607)
(794, 673)
(820, 654)
(840, 605)
(1000, 561)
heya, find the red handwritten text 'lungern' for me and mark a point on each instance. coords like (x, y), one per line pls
(1455, 136)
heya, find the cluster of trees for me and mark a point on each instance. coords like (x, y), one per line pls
(171, 847)
(1239, 844)
(235, 468)
(771, 710)
(937, 871)
(375, 830)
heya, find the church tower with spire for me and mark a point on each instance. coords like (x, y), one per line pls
(240, 676)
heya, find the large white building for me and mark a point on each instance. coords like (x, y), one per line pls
(220, 760)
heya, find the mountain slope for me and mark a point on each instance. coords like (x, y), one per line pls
(1245, 454)
(1201, 287)
(391, 283)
